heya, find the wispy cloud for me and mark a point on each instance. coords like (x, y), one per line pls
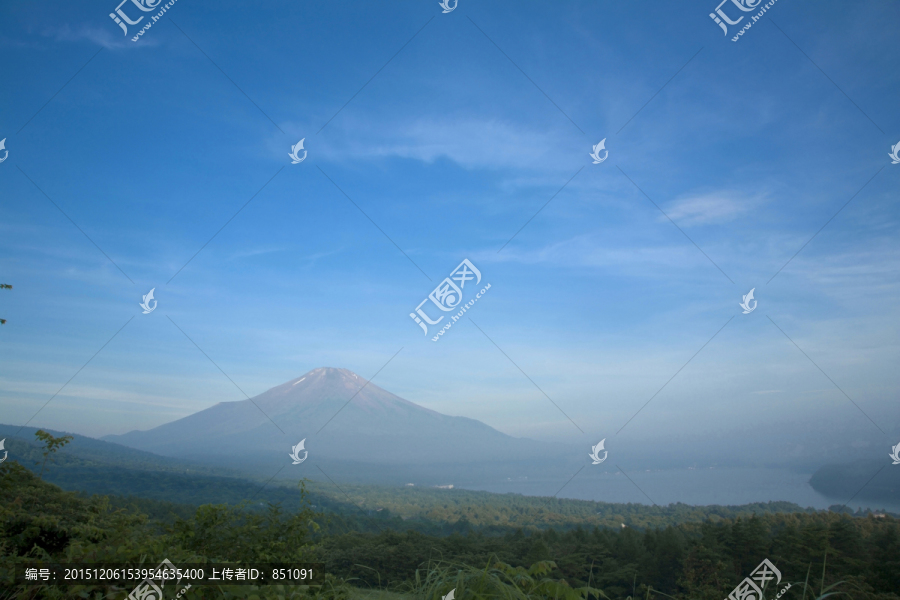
(471, 142)
(710, 207)
(588, 250)
(106, 37)
(256, 252)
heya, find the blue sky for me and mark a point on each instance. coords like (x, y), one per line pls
(750, 149)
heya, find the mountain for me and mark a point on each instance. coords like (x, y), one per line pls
(85, 451)
(356, 428)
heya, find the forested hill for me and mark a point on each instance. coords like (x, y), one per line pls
(859, 557)
(83, 450)
(81, 466)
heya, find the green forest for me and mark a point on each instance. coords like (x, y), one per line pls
(414, 543)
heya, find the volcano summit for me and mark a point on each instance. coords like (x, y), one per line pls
(349, 423)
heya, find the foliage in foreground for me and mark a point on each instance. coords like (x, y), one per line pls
(691, 561)
(38, 521)
(41, 522)
(497, 581)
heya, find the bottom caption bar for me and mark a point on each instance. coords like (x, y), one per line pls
(167, 575)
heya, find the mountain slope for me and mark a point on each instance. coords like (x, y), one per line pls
(87, 451)
(343, 418)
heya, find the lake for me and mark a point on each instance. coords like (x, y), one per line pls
(700, 486)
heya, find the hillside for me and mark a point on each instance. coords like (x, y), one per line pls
(876, 480)
(96, 467)
(86, 451)
(684, 562)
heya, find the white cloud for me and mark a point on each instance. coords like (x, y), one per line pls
(589, 251)
(105, 37)
(712, 207)
(471, 142)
